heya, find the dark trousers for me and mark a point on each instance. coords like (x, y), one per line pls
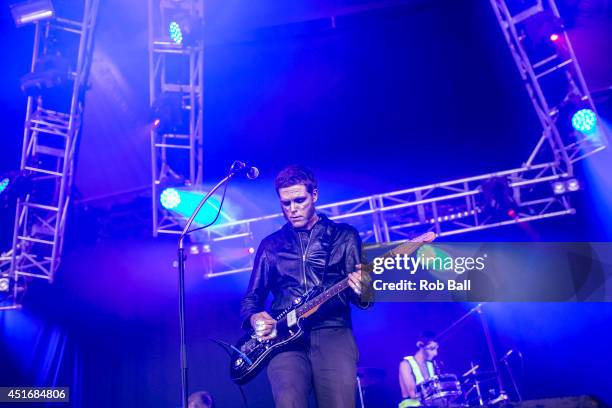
(327, 360)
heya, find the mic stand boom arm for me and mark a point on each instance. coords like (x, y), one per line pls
(181, 270)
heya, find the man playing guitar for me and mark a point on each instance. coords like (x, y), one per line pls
(309, 251)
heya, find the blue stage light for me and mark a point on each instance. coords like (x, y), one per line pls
(4, 184)
(176, 34)
(184, 202)
(584, 121)
(170, 198)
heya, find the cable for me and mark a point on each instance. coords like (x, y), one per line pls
(226, 346)
(216, 216)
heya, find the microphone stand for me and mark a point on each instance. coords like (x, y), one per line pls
(181, 270)
(503, 396)
(516, 389)
(485, 327)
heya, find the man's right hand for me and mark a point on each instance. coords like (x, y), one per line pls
(263, 324)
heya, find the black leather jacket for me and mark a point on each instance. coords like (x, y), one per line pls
(288, 267)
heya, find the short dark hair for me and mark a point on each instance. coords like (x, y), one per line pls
(294, 175)
(201, 399)
(425, 338)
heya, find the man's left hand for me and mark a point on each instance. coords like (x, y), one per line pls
(356, 281)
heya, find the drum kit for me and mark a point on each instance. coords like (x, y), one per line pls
(442, 390)
(447, 390)
(473, 388)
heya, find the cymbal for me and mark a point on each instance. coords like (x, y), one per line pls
(481, 375)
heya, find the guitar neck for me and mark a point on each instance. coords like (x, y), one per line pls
(323, 297)
(407, 247)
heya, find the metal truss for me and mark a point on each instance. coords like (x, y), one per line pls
(460, 206)
(552, 76)
(50, 142)
(447, 208)
(176, 69)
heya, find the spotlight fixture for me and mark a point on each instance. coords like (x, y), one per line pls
(4, 184)
(5, 284)
(13, 185)
(565, 186)
(176, 34)
(573, 185)
(51, 71)
(32, 11)
(498, 198)
(170, 198)
(584, 121)
(558, 187)
(168, 113)
(184, 29)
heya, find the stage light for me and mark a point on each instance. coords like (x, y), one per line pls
(554, 37)
(169, 115)
(5, 284)
(32, 11)
(584, 121)
(558, 187)
(183, 200)
(498, 198)
(4, 184)
(176, 34)
(50, 71)
(170, 198)
(573, 185)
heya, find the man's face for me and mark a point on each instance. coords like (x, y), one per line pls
(298, 204)
(431, 350)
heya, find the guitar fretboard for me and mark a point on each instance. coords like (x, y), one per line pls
(323, 297)
(405, 248)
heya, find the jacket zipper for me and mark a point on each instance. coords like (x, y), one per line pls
(304, 258)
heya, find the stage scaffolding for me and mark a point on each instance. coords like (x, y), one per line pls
(175, 70)
(460, 206)
(50, 143)
(551, 75)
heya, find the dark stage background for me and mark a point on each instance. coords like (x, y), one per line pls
(394, 97)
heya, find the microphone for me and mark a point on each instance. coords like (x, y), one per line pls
(438, 366)
(251, 172)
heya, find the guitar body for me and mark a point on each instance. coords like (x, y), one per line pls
(254, 353)
(250, 354)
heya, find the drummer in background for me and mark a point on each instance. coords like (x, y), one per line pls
(413, 370)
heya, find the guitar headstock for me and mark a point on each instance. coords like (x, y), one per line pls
(405, 248)
(410, 246)
(425, 238)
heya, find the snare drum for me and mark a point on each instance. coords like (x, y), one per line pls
(443, 388)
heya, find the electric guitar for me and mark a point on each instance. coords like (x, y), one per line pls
(250, 353)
